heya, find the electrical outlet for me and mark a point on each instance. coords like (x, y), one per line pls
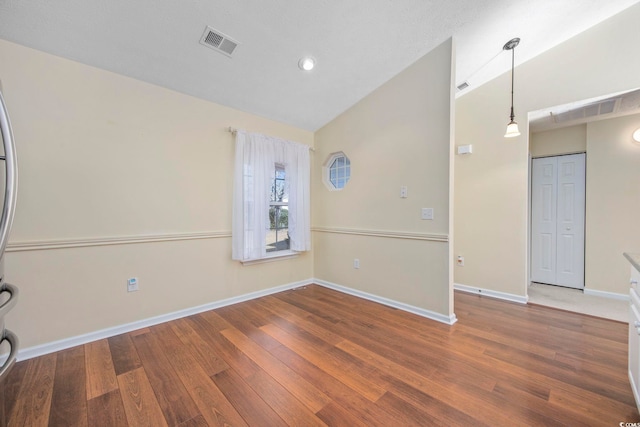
(132, 284)
(356, 263)
(460, 261)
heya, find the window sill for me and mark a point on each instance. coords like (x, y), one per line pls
(278, 256)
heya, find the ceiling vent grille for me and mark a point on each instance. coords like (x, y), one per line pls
(606, 106)
(463, 86)
(218, 41)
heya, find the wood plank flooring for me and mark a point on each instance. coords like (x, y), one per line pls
(314, 357)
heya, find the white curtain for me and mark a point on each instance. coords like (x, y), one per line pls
(255, 164)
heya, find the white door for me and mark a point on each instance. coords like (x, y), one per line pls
(557, 220)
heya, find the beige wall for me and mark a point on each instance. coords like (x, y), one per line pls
(491, 185)
(399, 135)
(103, 157)
(613, 203)
(572, 139)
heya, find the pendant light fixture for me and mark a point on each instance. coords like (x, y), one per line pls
(512, 127)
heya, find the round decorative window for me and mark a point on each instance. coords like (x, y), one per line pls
(336, 171)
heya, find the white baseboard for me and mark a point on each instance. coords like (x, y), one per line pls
(63, 344)
(612, 295)
(40, 350)
(493, 294)
(449, 320)
(634, 388)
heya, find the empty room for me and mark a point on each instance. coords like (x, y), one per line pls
(319, 213)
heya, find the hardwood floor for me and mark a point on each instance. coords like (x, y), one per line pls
(315, 356)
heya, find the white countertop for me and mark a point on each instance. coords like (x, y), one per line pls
(634, 259)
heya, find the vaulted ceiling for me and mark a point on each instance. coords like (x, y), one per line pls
(358, 44)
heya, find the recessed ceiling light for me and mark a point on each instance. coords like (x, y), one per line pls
(307, 63)
(636, 135)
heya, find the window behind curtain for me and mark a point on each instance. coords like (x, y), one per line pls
(271, 197)
(278, 234)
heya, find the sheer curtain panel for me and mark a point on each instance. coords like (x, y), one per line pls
(256, 158)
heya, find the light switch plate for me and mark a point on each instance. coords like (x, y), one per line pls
(465, 149)
(427, 213)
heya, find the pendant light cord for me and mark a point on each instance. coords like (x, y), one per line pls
(513, 54)
(512, 127)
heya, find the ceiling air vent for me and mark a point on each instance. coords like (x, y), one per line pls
(218, 41)
(463, 86)
(607, 106)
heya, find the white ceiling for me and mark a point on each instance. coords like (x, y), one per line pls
(359, 44)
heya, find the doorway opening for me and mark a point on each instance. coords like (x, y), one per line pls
(601, 127)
